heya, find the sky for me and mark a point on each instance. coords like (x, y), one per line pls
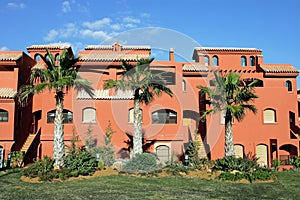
(270, 25)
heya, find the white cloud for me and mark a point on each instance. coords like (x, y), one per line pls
(16, 5)
(97, 24)
(69, 30)
(115, 26)
(66, 7)
(145, 15)
(51, 35)
(100, 35)
(131, 20)
(4, 48)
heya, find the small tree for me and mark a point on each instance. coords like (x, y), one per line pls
(105, 152)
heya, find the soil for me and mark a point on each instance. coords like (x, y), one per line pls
(110, 171)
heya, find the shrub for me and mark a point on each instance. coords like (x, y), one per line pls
(231, 163)
(296, 162)
(41, 169)
(142, 163)
(276, 163)
(177, 168)
(17, 159)
(82, 161)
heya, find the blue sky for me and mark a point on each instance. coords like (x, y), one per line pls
(270, 25)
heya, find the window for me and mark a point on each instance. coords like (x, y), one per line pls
(183, 85)
(243, 61)
(3, 116)
(252, 61)
(167, 76)
(88, 115)
(288, 85)
(164, 117)
(37, 57)
(215, 61)
(67, 116)
(163, 153)
(131, 115)
(206, 60)
(57, 57)
(269, 116)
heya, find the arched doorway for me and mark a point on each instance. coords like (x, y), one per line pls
(262, 154)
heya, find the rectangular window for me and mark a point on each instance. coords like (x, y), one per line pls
(3, 116)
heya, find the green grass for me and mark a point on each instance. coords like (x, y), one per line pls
(127, 187)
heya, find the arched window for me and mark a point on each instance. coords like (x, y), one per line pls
(206, 61)
(57, 57)
(163, 153)
(89, 115)
(37, 57)
(67, 116)
(215, 61)
(252, 61)
(239, 150)
(164, 116)
(131, 115)
(183, 85)
(269, 116)
(288, 85)
(243, 61)
(261, 152)
(3, 116)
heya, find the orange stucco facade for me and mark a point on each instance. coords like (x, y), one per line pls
(169, 123)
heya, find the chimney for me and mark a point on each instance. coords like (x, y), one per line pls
(171, 55)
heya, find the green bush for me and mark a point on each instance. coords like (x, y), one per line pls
(142, 163)
(296, 162)
(176, 168)
(80, 160)
(17, 158)
(39, 168)
(231, 163)
(276, 163)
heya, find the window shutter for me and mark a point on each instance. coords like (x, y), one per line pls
(89, 115)
(131, 116)
(269, 116)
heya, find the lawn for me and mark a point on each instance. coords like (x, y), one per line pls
(287, 186)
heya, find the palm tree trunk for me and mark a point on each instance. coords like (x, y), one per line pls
(229, 144)
(138, 134)
(58, 144)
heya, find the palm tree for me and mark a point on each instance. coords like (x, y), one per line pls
(145, 85)
(58, 77)
(232, 96)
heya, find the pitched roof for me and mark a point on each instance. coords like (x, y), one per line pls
(279, 68)
(10, 56)
(50, 46)
(226, 49)
(100, 57)
(7, 93)
(104, 94)
(125, 47)
(194, 67)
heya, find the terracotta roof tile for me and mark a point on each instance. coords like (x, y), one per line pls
(98, 57)
(39, 66)
(194, 67)
(279, 68)
(125, 47)
(50, 46)
(8, 93)
(226, 49)
(104, 94)
(6, 56)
